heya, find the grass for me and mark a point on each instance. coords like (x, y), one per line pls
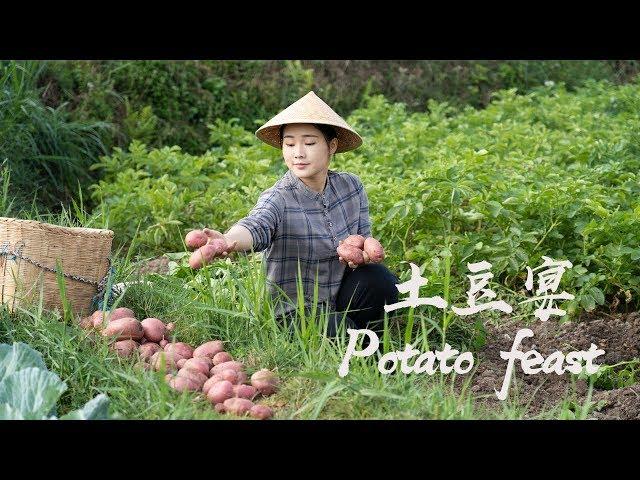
(232, 307)
(48, 153)
(229, 300)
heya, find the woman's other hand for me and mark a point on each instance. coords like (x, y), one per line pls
(351, 264)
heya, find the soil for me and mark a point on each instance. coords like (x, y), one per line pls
(618, 335)
(157, 265)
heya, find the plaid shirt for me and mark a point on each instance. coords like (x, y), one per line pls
(290, 221)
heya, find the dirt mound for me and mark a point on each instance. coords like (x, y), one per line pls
(617, 335)
(157, 265)
(620, 404)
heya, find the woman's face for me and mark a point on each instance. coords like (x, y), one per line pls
(305, 150)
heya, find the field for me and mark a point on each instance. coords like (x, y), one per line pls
(548, 173)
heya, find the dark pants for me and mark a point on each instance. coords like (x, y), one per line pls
(364, 291)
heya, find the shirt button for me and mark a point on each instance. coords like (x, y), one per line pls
(330, 224)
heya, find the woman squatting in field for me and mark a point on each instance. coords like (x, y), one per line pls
(302, 221)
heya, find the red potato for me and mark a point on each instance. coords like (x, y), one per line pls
(166, 360)
(232, 365)
(209, 349)
(207, 253)
(154, 329)
(219, 407)
(121, 312)
(194, 375)
(163, 343)
(220, 391)
(180, 363)
(261, 412)
(123, 329)
(86, 323)
(350, 254)
(245, 391)
(100, 319)
(238, 406)
(181, 348)
(374, 250)
(230, 375)
(148, 349)
(124, 348)
(221, 357)
(182, 384)
(265, 381)
(202, 364)
(210, 383)
(97, 319)
(355, 241)
(235, 377)
(195, 239)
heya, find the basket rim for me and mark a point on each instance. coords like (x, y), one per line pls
(84, 231)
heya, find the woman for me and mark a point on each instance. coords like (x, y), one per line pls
(302, 219)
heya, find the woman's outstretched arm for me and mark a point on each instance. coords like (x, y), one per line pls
(242, 236)
(258, 229)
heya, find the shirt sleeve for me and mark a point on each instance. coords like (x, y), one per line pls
(263, 220)
(364, 224)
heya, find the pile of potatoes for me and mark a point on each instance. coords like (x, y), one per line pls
(208, 368)
(358, 250)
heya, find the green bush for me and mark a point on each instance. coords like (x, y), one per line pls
(48, 154)
(186, 96)
(170, 191)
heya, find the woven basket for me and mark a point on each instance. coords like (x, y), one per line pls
(82, 252)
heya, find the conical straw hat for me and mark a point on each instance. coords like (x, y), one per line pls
(310, 109)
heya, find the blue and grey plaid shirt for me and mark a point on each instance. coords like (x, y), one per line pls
(292, 222)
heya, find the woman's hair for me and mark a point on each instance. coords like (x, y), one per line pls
(327, 130)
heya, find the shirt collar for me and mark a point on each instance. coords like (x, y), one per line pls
(300, 185)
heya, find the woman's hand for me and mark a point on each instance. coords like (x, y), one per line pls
(213, 234)
(351, 264)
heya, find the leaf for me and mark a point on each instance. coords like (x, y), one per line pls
(32, 391)
(176, 255)
(391, 213)
(598, 295)
(95, 409)
(479, 335)
(494, 208)
(17, 357)
(587, 302)
(7, 412)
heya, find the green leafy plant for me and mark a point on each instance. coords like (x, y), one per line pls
(550, 173)
(28, 391)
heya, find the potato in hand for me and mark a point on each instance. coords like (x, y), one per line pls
(355, 250)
